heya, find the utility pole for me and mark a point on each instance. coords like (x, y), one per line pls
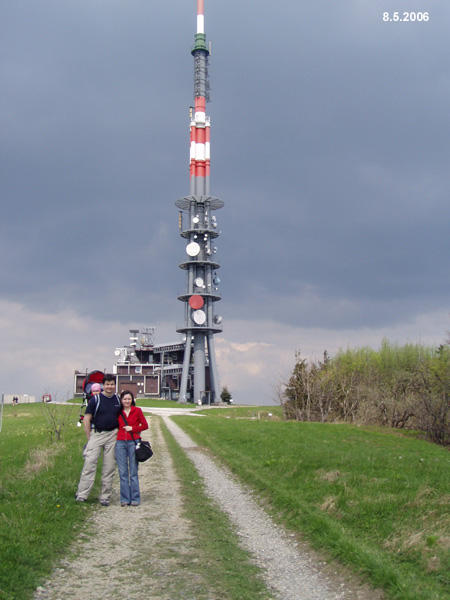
(198, 226)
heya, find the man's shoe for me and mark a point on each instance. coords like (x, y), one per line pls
(104, 502)
(124, 504)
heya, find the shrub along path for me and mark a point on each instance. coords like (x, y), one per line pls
(155, 551)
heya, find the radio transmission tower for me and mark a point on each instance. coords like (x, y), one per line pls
(198, 226)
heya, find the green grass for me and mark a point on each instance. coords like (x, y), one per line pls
(160, 403)
(76, 400)
(374, 500)
(265, 413)
(224, 564)
(38, 514)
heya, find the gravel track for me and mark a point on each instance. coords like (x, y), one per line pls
(292, 573)
(104, 560)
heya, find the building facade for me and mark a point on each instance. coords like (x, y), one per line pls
(146, 369)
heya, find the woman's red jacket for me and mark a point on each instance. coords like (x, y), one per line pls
(136, 420)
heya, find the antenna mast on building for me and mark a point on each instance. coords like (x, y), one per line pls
(198, 226)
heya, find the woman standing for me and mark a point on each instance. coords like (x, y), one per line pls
(125, 449)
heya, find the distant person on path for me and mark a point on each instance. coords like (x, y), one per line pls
(129, 428)
(101, 426)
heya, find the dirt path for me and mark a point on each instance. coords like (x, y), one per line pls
(291, 570)
(96, 565)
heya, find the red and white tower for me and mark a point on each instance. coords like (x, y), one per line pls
(198, 226)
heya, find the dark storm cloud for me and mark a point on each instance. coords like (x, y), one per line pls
(345, 189)
(330, 148)
(88, 149)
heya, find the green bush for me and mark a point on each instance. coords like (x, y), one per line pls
(225, 395)
(395, 386)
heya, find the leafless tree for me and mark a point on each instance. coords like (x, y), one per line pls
(58, 417)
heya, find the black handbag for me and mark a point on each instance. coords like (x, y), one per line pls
(143, 448)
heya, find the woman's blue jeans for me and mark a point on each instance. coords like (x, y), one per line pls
(128, 472)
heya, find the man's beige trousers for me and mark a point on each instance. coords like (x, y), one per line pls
(97, 441)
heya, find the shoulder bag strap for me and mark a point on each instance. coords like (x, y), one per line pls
(97, 404)
(126, 423)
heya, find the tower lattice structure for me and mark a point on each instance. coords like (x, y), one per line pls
(198, 226)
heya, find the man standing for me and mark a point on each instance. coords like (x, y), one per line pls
(101, 425)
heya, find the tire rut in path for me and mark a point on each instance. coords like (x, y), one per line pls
(107, 562)
(290, 570)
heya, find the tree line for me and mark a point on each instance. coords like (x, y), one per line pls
(396, 386)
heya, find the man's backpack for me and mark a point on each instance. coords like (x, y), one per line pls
(88, 382)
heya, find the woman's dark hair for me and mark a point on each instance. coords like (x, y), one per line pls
(133, 401)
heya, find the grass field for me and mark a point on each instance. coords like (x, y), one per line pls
(160, 403)
(265, 413)
(373, 499)
(38, 515)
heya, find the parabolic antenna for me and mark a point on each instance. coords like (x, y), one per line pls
(196, 302)
(117, 352)
(199, 317)
(199, 282)
(192, 249)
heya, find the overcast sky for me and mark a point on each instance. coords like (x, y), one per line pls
(330, 149)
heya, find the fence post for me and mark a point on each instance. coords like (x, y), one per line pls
(1, 412)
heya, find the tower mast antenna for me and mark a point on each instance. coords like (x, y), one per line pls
(199, 229)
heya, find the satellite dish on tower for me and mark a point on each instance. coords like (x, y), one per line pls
(199, 317)
(192, 249)
(196, 302)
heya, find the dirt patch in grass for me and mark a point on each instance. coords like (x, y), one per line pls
(444, 542)
(330, 476)
(18, 414)
(329, 504)
(40, 459)
(429, 543)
